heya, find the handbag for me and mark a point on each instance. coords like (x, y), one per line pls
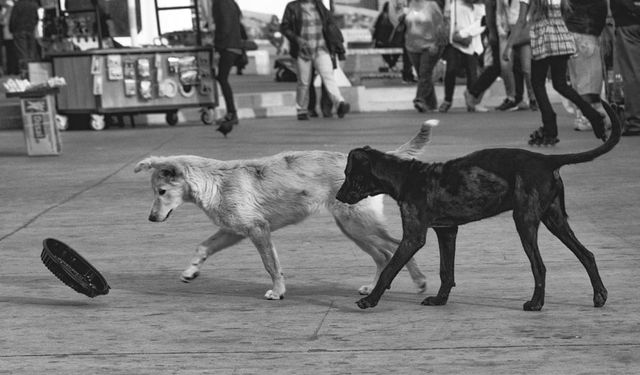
(249, 45)
(396, 39)
(456, 37)
(523, 37)
(245, 43)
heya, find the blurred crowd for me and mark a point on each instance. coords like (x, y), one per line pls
(588, 48)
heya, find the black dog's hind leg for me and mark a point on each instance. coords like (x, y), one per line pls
(555, 219)
(447, 243)
(414, 233)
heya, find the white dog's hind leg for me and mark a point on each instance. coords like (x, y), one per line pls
(261, 238)
(219, 241)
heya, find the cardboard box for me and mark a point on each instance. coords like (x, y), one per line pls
(39, 121)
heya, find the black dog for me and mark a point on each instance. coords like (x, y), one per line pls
(479, 185)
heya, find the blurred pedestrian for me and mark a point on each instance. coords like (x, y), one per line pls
(586, 20)
(465, 44)
(228, 44)
(626, 15)
(492, 69)
(22, 24)
(315, 41)
(397, 9)
(515, 72)
(381, 36)
(425, 38)
(551, 47)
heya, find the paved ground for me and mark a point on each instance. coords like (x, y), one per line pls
(151, 323)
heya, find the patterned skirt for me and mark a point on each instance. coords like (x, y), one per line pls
(550, 37)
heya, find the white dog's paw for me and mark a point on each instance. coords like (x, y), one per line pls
(365, 290)
(189, 274)
(273, 295)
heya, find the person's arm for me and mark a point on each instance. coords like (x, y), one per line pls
(490, 20)
(517, 29)
(287, 28)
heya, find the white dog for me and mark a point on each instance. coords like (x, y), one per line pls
(252, 198)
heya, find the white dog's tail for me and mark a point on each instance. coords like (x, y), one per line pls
(415, 147)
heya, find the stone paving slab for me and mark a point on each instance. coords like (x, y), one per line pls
(151, 323)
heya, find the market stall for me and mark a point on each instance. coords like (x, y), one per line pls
(107, 81)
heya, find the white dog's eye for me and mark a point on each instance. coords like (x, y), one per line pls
(161, 191)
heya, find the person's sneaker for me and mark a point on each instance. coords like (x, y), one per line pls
(313, 113)
(507, 105)
(444, 107)
(303, 116)
(343, 109)
(420, 107)
(581, 124)
(522, 106)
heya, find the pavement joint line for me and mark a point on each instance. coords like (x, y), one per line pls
(82, 191)
(324, 317)
(315, 350)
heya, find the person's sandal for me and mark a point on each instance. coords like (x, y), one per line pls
(538, 138)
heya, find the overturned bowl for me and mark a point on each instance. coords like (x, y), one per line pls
(72, 269)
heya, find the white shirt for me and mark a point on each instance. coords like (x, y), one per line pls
(467, 21)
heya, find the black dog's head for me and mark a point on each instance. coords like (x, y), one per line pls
(359, 181)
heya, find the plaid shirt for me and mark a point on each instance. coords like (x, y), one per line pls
(311, 30)
(550, 37)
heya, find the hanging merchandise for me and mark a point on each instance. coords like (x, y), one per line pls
(130, 87)
(187, 90)
(96, 65)
(167, 88)
(188, 70)
(129, 68)
(174, 64)
(158, 65)
(206, 88)
(145, 89)
(97, 85)
(114, 67)
(144, 68)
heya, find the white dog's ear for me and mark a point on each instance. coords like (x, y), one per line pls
(159, 163)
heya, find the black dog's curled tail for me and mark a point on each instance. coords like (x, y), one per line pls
(582, 157)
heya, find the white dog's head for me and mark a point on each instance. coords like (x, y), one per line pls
(168, 185)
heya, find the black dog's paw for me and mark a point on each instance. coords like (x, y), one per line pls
(532, 306)
(434, 301)
(365, 303)
(599, 298)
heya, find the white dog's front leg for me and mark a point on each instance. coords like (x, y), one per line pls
(219, 241)
(261, 237)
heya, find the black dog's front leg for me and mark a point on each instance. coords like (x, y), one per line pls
(413, 238)
(447, 243)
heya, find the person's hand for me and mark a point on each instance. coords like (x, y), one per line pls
(506, 55)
